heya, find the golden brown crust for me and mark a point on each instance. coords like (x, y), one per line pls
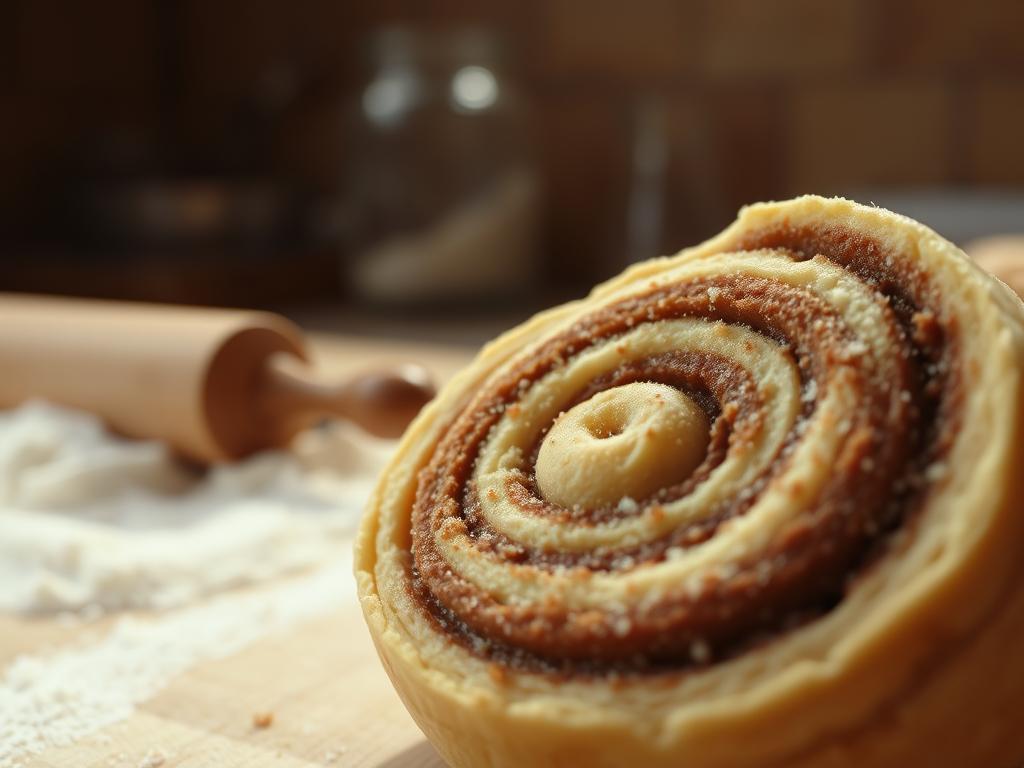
(797, 578)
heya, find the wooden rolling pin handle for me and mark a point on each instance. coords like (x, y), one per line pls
(381, 402)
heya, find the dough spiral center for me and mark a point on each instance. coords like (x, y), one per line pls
(621, 445)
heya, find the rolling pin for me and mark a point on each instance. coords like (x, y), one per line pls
(215, 384)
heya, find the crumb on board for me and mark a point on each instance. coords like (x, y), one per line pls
(154, 758)
(262, 720)
(332, 755)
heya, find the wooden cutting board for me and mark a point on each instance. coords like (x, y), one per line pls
(331, 702)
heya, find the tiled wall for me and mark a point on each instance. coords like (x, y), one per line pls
(763, 98)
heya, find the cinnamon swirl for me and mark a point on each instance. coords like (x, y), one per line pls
(756, 504)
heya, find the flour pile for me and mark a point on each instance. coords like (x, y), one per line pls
(90, 523)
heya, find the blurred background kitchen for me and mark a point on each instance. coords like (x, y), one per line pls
(439, 170)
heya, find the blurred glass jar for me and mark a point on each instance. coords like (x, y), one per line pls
(442, 192)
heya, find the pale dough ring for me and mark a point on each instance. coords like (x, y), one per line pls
(750, 505)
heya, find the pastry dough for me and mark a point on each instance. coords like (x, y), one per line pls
(830, 571)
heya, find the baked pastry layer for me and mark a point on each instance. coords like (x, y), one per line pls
(755, 504)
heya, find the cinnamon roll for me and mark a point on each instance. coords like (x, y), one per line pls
(757, 504)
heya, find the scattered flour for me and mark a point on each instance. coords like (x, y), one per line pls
(91, 523)
(56, 699)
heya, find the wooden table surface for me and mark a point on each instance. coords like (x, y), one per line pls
(332, 704)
